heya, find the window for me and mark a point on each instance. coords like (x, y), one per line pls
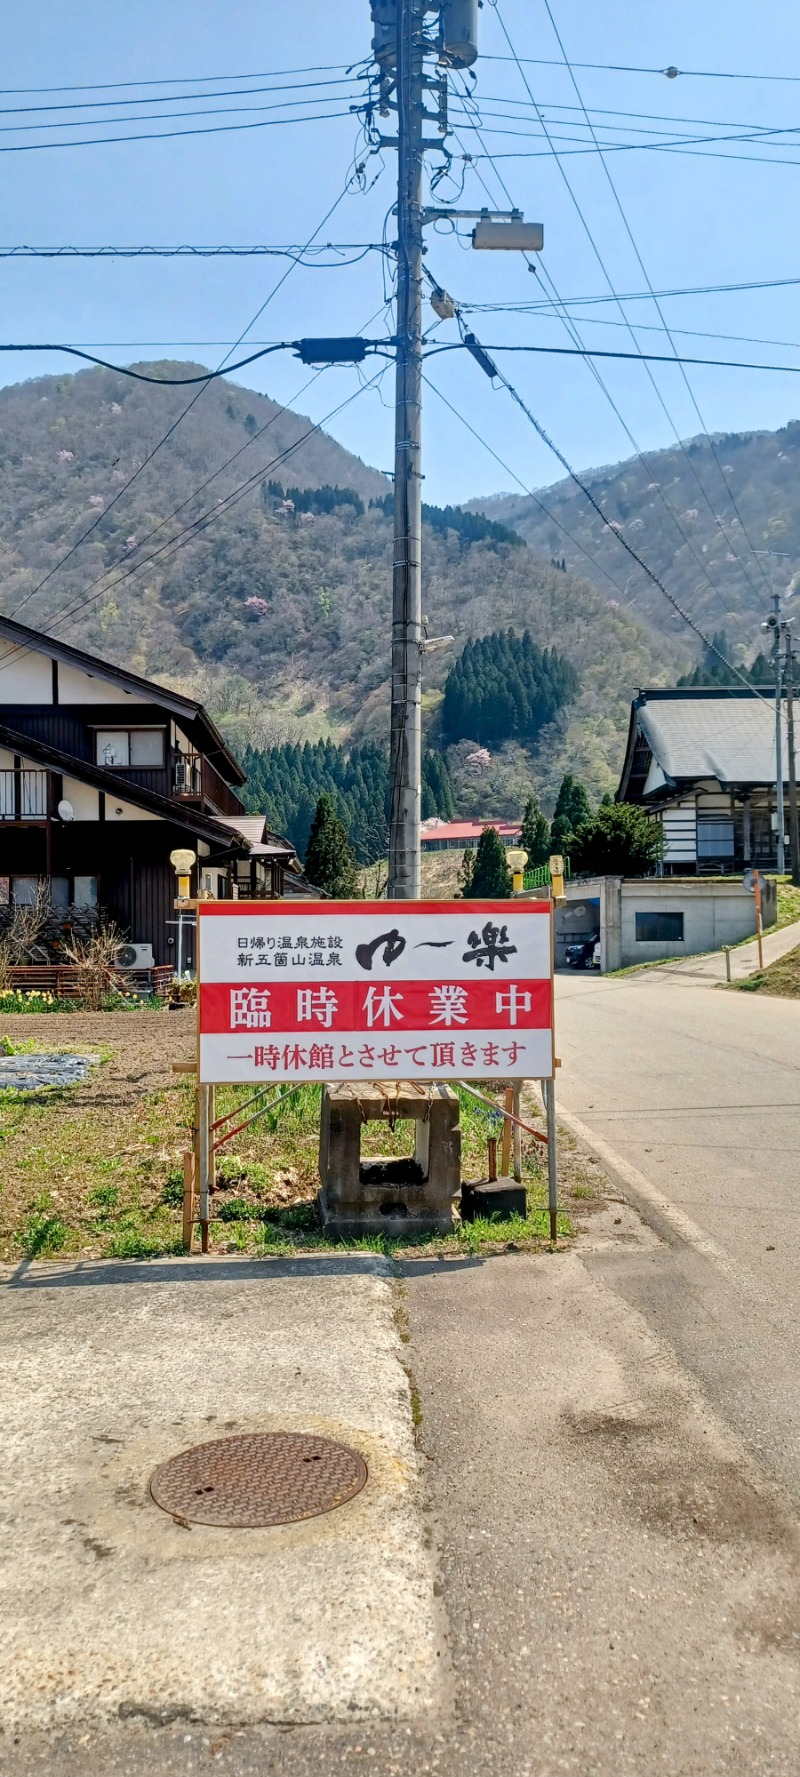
(85, 894)
(714, 837)
(659, 928)
(135, 747)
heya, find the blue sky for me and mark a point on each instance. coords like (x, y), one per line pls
(696, 220)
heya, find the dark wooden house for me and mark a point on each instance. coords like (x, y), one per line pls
(102, 775)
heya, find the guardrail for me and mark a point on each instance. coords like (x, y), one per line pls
(540, 877)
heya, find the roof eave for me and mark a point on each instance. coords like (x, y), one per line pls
(57, 760)
(174, 701)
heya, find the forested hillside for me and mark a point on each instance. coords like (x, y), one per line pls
(699, 514)
(275, 606)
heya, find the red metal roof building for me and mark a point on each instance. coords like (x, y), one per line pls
(464, 835)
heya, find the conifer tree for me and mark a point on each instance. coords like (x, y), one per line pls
(535, 836)
(572, 807)
(330, 861)
(491, 878)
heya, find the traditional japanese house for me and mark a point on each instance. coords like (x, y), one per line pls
(102, 775)
(702, 760)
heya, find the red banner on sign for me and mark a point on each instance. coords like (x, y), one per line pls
(377, 1006)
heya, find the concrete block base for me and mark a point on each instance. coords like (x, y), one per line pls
(400, 1196)
(501, 1197)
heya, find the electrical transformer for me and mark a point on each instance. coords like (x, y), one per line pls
(460, 32)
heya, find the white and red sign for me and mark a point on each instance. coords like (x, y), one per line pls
(374, 990)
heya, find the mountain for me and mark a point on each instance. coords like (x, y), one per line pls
(732, 494)
(276, 610)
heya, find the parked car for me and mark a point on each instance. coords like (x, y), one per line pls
(596, 955)
(580, 955)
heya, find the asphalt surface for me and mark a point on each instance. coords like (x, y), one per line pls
(620, 1581)
(608, 1443)
(695, 1092)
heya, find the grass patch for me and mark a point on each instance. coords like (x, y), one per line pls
(781, 979)
(96, 1170)
(42, 1235)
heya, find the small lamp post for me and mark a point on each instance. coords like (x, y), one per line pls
(183, 863)
(517, 860)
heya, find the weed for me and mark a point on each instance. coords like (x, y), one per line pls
(132, 1244)
(173, 1188)
(237, 1209)
(103, 1196)
(42, 1235)
(26, 1047)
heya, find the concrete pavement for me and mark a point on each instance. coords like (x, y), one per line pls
(621, 1581)
(744, 958)
(110, 1608)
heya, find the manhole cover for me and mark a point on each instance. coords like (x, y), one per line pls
(257, 1479)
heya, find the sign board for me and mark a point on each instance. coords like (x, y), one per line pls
(374, 990)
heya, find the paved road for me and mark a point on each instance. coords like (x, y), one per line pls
(694, 1094)
(619, 1580)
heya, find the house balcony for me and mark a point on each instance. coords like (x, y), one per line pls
(23, 795)
(194, 780)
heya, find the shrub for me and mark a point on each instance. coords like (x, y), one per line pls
(619, 840)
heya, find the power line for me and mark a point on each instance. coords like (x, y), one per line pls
(623, 314)
(181, 416)
(235, 92)
(202, 523)
(615, 111)
(85, 123)
(526, 489)
(108, 86)
(546, 314)
(187, 251)
(597, 352)
(682, 290)
(756, 160)
(633, 553)
(167, 135)
(627, 68)
(674, 144)
(279, 412)
(173, 382)
(209, 376)
(574, 334)
(729, 494)
(140, 376)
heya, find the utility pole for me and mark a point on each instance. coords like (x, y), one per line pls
(401, 43)
(406, 706)
(794, 833)
(776, 612)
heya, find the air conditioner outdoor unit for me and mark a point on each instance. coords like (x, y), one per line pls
(135, 956)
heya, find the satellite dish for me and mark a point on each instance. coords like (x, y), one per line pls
(66, 811)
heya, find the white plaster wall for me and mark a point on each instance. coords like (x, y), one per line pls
(117, 810)
(28, 678)
(76, 686)
(85, 801)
